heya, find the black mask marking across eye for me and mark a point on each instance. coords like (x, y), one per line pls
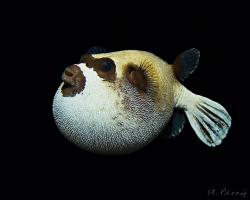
(105, 67)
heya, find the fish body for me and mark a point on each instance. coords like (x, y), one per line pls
(118, 102)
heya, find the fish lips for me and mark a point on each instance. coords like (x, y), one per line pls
(74, 81)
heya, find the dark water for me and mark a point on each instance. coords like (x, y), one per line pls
(182, 166)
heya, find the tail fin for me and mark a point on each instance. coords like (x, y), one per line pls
(209, 119)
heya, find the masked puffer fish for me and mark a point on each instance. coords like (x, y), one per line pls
(118, 102)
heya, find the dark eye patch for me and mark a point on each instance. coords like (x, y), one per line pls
(105, 67)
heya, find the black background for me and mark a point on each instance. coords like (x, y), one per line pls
(182, 166)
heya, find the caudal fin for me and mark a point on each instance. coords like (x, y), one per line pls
(209, 119)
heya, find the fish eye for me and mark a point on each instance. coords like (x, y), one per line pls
(104, 67)
(107, 65)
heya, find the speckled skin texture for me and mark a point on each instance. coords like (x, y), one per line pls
(113, 117)
(121, 110)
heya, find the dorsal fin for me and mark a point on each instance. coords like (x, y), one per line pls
(96, 50)
(186, 63)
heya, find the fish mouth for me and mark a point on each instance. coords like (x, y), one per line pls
(66, 85)
(73, 81)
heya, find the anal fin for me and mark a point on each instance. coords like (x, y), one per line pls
(176, 123)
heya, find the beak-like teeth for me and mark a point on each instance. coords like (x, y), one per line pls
(74, 81)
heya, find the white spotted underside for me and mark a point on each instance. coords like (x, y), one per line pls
(98, 120)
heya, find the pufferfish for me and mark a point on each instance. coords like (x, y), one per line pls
(118, 102)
